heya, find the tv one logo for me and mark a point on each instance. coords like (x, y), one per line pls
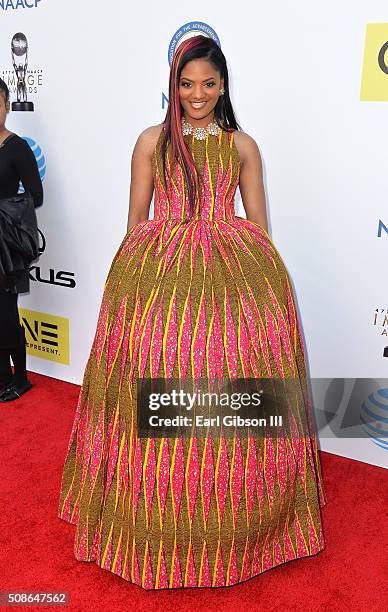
(374, 83)
(47, 335)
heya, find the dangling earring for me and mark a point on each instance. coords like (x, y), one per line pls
(222, 91)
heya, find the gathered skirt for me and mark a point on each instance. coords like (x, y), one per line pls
(190, 298)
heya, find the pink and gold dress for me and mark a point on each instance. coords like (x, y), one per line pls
(198, 295)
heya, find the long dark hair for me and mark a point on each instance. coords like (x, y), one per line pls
(196, 47)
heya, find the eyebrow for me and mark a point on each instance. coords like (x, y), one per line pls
(186, 79)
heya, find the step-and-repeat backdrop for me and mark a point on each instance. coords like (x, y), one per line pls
(311, 86)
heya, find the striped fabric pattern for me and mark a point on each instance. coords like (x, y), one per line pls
(191, 296)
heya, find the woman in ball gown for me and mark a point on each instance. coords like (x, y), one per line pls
(196, 292)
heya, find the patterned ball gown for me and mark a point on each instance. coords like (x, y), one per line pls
(200, 295)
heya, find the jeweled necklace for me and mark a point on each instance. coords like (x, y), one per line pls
(200, 133)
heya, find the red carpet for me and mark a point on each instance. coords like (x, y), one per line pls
(37, 547)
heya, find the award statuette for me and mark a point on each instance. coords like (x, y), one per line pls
(19, 48)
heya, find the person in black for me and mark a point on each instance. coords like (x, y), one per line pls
(17, 164)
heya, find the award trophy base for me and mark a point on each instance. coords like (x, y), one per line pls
(22, 106)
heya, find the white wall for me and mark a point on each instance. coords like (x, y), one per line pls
(296, 72)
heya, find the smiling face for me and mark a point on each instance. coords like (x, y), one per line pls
(199, 90)
(4, 109)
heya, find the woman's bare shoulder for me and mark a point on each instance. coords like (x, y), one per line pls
(148, 138)
(246, 144)
(152, 131)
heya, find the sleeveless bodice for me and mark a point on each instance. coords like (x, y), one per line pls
(218, 163)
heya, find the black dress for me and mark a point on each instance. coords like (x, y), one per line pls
(17, 164)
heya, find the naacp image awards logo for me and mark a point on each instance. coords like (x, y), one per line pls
(22, 80)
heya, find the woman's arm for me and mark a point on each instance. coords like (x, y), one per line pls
(142, 180)
(251, 179)
(28, 171)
